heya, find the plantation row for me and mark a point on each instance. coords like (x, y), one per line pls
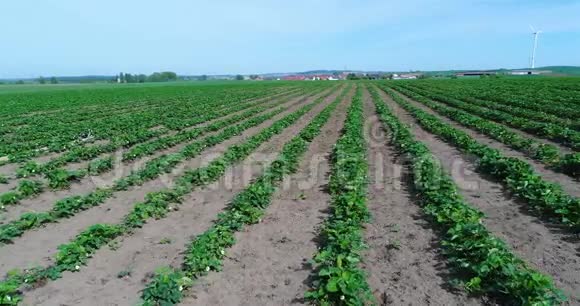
(556, 132)
(45, 133)
(59, 178)
(553, 96)
(182, 124)
(68, 207)
(75, 254)
(206, 251)
(485, 262)
(548, 154)
(516, 175)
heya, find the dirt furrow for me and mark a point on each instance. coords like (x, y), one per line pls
(404, 265)
(544, 248)
(37, 247)
(45, 200)
(115, 277)
(568, 184)
(10, 169)
(269, 263)
(540, 139)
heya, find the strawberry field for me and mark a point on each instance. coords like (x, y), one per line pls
(420, 192)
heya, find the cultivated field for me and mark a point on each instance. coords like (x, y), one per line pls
(422, 192)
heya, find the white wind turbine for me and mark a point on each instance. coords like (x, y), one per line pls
(535, 46)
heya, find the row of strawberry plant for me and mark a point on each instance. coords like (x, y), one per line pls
(546, 153)
(173, 109)
(73, 255)
(207, 251)
(168, 162)
(517, 175)
(535, 115)
(79, 153)
(68, 207)
(174, 113)
(173, 140)
(536, 95)
(338, 279)
(60, 178)
(567, 137)
(483, 263)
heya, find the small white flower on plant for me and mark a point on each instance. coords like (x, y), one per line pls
(77, 267)
(223, 252)
(180, 288)
(342, 297)
(207, 269)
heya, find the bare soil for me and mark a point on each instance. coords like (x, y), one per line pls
(90, 183)
(568, 184)
(403, 262)
(269, 263)
(544, 247)
(46, 199)
(37, 247)
(160, 242)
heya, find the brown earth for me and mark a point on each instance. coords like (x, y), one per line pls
(561, 147)
(37, 247)
(46, 199)
(89, 183)
(147, 249)
(544, 247)
(269, 263)
(568, 184)
(10, 169)
(404, 265)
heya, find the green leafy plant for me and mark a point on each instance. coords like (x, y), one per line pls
(28, 169)
(517, 175)
(73, 255)
(206, 251)
(9, 198)
(485, 263)
(28, 188)
(339, 279)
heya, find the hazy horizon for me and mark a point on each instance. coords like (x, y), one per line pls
(69, 38)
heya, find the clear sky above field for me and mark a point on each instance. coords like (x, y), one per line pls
(71, 37)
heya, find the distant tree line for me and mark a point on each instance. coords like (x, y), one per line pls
(165, 76)
(367, 76)
(42, 80)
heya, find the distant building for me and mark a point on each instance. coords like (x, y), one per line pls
(294, 78)
(316, 77)
(475, 73)
(406, 76)
(526, 72)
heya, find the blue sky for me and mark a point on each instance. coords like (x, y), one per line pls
(72, 37)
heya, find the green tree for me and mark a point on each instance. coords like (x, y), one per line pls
(19, 82)
(129, 78)
(352, 76)
(202, 77)
(239, 77)
(164, 76)
(41, 80)
(53, 80)
(254, 76)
